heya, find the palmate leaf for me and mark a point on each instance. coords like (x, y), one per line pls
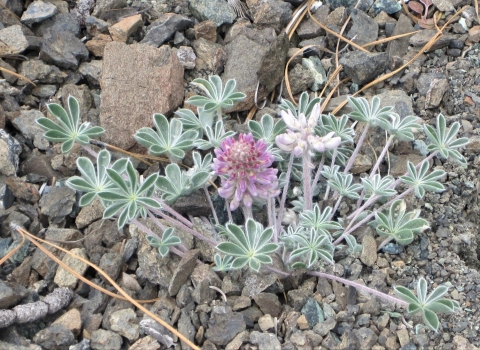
(339, 126)
(429, 305)
(421, 181)
(370, 114)
(168, 240)
(68, 129)
(267, 129)
(127, 197)
(251, 246)
(215, 137)
(318, 220)
(403, 129)
(217, 96)
(378, 186)
(398, 224)
(342, 183)
(305, 105)
(444, 142)
(311, 245)
(169, 139)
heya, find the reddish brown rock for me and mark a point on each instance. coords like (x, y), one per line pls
(137, 81)
(122, 30)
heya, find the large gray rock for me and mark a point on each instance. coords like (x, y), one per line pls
(61, 22)
(164, 28)
(38, 11)
(271, 13)
(12, 40)
(256, 57)
(26, 124)
(63, 49)
(218, 11)
(38, 71)
(399, 47)
(158, 79)
(364, 67)
(10, 149)
(102, 6)
(224, 325)
(364, 28)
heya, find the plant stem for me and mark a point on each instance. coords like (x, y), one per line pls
(284, 193)
(327, 191)
(307, 180)
(319, 170)
(337, 204)
(173, 212)
(349, 230)
(384, 243)
(381, 156)
(90, 151)
(229, 212)
(357, 149)
(182, 226)
(359, 286)
(209, 199)
(247, 212)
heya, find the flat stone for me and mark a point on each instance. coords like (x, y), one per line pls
(124, 322)
(26, 124)
(63, 278)
(422, 37)
(10, 149)
(38, 11)
(266, 322)
(265, 341)
(206, 30)
(364, 28)
(187, 57)
(203, 278)
(271, 13)
(122, 30)
(369, 250)
(102, 6)
(11, 294)
(61, 22)
(183, 271)
(46, 91)
(268, 303)
(309, 29)
(164, 28)
(210, 56)
(58, 203)
(105, 340)
(399, 47)
(158, 75)
(399, 100)
(224, 325)
(56, 336)
(217, 11)
(312, 312)
(97, 45)
(145, 343)
(12, 40)
(63, 49)
(92, 71)
(71, 320)
(38, 71)
(364, 67)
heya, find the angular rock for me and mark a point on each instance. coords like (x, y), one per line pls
(124, 322)
(92, 71)
(10, 149)
(424, 36)
(210, 56)
(158, 76)
(97, 45)
(122, 30)
(58, 203)
(26, 124)
(206, 30)
(313, 312)
(399, 47)
(364, 67)
(145, 343)
(309, 29)
(224, 325)
(401, 102)
(102, 6)
(105, 340)
(44, 91)
(111, 264)
(96, 26)
(246, 62)
(61, 22)
(63, 278)
(268, 303)
(369, 250)
(71, 320)
(364, 28)
(23, 190)
(186, 328)
(12, 40)
(63, 49)
(187, 57)
(164, 28)
(11, 294)
(54, 337)
(265, 341)
(217, 11)
(271, 13)
(203, 277)
(38, 11)
(388, 6)
(183, 271)
(196, 204)
(37, 71)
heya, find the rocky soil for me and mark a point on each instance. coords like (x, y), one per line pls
(125, 60)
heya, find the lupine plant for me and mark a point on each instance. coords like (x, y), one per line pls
(295, 168)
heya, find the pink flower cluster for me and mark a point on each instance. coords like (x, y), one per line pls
(300, 135)
(245, 168)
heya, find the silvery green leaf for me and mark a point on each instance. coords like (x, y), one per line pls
(421, 181)
(378, 186)
(339, 126)
(305, 105)
(267, 129)
(370, 114)
(342, 183)
(406, 295)
(222, 264)
(68, 129)
(251, 246)
(318, 220)
(444, 142)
